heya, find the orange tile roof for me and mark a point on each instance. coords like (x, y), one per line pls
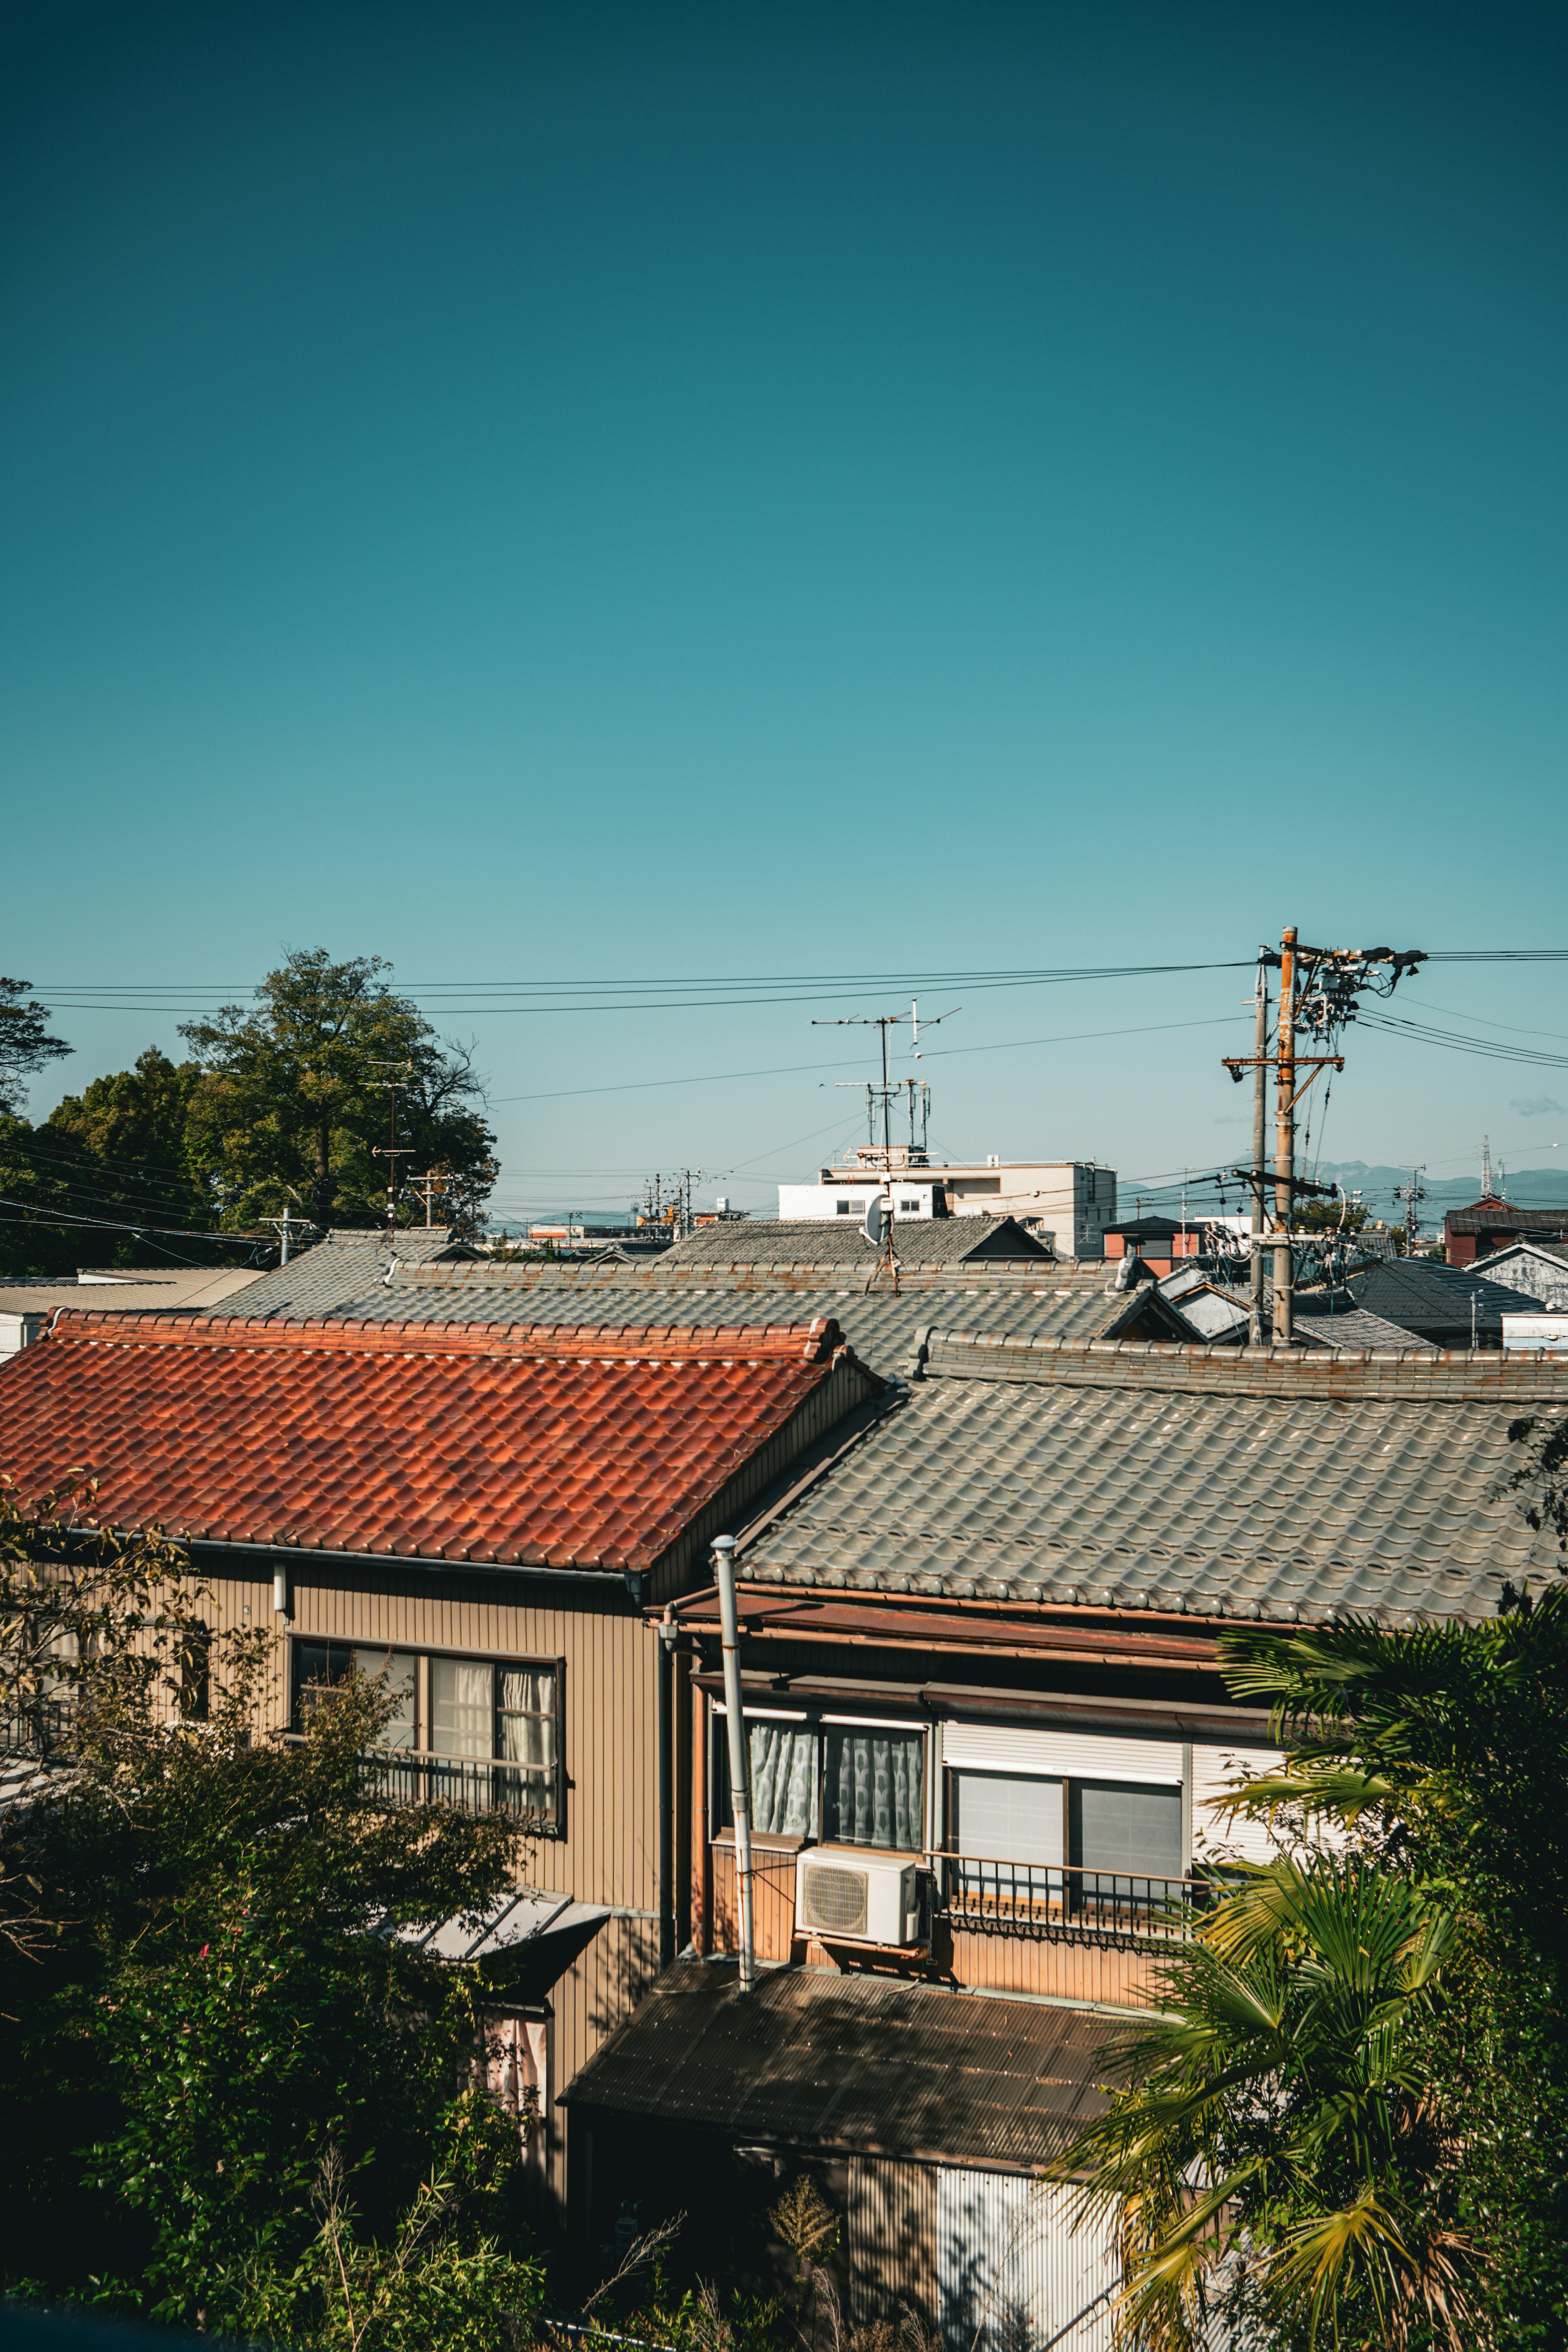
(488, 1443)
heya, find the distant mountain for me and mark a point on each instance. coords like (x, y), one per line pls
(1526, 1188)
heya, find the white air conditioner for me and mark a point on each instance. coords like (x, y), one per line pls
(847, 1897)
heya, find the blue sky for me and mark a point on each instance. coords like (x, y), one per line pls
(625, 492)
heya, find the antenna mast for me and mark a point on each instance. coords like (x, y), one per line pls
(883, 1095)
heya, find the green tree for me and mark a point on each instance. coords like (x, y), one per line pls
(291, 1109)
(239, 2095)
(1353, 2123)
(40, 1229)
(25, 1043)
(119, 1152)
(1329, 1216)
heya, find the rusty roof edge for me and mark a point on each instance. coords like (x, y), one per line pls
(609, 1573)
(815, 1342)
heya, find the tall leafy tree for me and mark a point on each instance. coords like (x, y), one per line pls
(291, 1109)
(26, 1042)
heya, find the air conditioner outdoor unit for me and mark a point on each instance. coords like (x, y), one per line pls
(845, 1896)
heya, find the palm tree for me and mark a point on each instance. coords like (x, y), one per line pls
(1348, 2124)
(1274, 2159)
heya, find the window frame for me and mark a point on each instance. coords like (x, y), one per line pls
(818, 1721)
(421, 1753)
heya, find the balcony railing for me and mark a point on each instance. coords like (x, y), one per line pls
(36, 1727)
(1045, 1900)
(416, 1775)
(408, 1776)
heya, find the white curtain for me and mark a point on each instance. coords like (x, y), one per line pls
(527, 1715)
(462, 1708)
(874, 1789)
(783, 1780)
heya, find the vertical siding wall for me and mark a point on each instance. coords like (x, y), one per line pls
(609, 1854)
(1063, 1968)
(1011, 2271)
(991, 2258)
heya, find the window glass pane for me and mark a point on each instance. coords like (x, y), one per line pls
(392, 1671)
(1007, 1820)
(317, 1666)
(873, 1789)
(1125, 1829)
(527, 1715)
(462, 1707)
(784, 1777)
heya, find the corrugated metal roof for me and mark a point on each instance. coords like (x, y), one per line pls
(511, 1447)
(853, 2061)
(1223, 1482)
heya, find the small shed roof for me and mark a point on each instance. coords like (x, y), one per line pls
(862, 2062)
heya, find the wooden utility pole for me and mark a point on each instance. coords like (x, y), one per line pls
(1259, 1135)
(1285, 1135)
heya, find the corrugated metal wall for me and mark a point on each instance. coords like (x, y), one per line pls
(1012, 2274)
(1216, 1771)
(892, 2238)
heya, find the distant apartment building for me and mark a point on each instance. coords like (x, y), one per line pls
(1072, 1200)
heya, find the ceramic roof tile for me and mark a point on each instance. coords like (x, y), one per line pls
(501, 1444)
(1230, 1482)
(817, 1242)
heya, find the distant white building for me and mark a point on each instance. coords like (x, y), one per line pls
(1073, 1200)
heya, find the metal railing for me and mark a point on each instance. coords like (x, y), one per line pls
(36, 1727)
(410, 1776)
(1041, 1900)
(417, 1776)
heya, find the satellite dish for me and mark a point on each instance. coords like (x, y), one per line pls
(875, 1224)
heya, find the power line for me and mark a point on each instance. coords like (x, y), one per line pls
(793, 1069)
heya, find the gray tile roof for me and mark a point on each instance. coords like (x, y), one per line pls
(880, 1328)
(1350, 1326)
(831, 1241)
(333, 1269)
(1218, 1481)
(1432, 1300)
(853, 2061)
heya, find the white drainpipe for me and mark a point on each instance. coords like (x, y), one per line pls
(739, 1770)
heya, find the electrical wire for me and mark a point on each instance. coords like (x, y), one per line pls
(795, 1069)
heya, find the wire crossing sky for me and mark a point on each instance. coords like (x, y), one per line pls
(668, 523)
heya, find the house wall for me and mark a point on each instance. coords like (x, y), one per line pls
(1038, 1958)
(608, 1852)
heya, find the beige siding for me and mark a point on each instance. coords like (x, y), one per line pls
(609, 1852)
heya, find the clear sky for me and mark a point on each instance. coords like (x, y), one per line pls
(620, 491)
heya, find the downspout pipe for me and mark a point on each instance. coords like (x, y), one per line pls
(739, 1770)
(666, 1796)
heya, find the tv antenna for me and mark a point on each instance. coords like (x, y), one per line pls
(391, 1151)
(884, 1094)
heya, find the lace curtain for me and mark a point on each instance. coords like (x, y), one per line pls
(783, 1780)
(873, 1789)
(871, 1783)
